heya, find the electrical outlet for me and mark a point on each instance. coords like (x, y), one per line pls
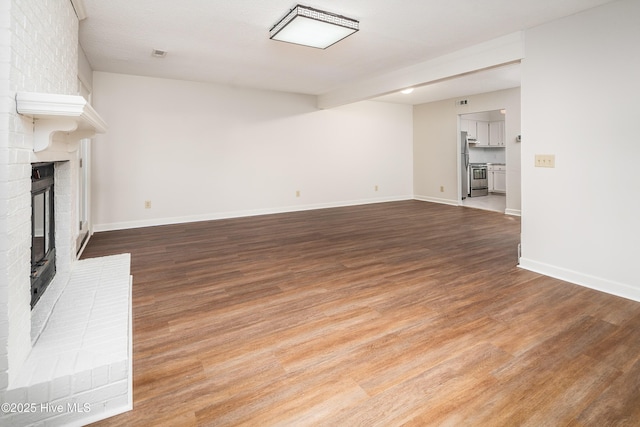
(376, 188)
(147, 204)
(442, 188)
(297, 193)
(545, 161)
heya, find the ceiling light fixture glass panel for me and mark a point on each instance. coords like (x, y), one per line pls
(311, 27)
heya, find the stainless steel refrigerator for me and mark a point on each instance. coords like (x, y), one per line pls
(464, 164)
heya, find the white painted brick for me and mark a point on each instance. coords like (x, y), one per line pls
(118, 371)
(19, 188)
(65, 365)
(38, 393)
(4, 363)
(117, 403)
(106, 369)
(12, 420)
(17, 395)
(5, 52)
(102, 394)
(43, 40)
(25, 419)
(66, 419)
(5, 156)
(81, 382)
(4, 379)
(100, 376)
(43, 372)
(5, 239)
(60, 387)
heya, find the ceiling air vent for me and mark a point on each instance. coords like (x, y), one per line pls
(159, 53)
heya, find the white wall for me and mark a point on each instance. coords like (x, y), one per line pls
(435, 156)
(580, 92)
(203, 151)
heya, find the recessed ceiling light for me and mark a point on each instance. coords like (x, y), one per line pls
(407, 91)
(312, 27)
(159, 53)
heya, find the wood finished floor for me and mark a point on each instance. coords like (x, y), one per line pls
(403, 313)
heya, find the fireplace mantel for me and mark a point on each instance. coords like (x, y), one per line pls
(54, 113)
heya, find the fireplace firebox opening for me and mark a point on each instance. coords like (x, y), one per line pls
(43, 250)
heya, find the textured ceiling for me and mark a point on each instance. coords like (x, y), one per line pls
(226, 41)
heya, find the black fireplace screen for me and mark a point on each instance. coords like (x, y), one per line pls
(43, 251)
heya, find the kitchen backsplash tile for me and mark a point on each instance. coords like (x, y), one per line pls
(487, 155)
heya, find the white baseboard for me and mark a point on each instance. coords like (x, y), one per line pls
(239, 214)
(514, 212)
(437, 200)
(588, 281)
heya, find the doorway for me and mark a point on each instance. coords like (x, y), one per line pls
(482, 145)
(83, 201)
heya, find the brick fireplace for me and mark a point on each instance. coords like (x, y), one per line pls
(71, 350)
(45, 364)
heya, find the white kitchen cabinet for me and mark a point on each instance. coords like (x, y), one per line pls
(497, 178)
(500, 181)
(496, 134)
(468, 126)
(482, 133)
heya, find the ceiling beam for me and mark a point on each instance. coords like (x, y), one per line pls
(502, 50)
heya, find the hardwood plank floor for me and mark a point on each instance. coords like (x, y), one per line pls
(404, 313)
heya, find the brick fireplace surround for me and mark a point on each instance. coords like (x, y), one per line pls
(67, 361)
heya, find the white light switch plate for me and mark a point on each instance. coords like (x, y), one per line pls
(545, 161)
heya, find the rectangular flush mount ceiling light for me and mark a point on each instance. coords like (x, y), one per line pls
(312, 27)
